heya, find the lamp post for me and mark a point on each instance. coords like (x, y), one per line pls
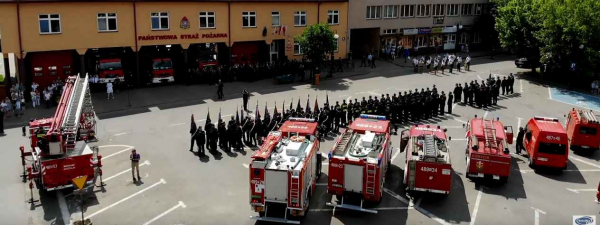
(335, 36)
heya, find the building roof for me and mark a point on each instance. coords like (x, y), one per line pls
(14, 1)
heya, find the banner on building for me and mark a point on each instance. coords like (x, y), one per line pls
(436, 30)
(410, 31)
(449, 30)
(2, 70)
(424, 30)
(12, 65)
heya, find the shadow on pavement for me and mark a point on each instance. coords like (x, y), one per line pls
(571, 177)
(49, 203)
(453, 208)
(513, 189)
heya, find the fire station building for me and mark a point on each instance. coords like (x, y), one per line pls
(52, 39)
(422, 26)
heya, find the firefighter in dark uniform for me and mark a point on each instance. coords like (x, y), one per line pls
(231, 134)
(442, 103)
(344, 120)
(450, 101)
(466, 93)
(357, 109)
(207, 129)
(222, 129)
(213, 138)
(350, 113)
(337, 115)
(519, 144)
(255, 132)
(193, 133)
(370, 101)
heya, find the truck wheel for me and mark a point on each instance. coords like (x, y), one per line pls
(261, 214)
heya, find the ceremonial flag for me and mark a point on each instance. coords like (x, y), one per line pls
(237, 115)
(275, 111)
(207, 118)
(193, 125)
(298, 107)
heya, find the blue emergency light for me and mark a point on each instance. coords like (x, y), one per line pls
(367, 116)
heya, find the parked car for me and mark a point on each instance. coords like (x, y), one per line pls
(522, 63)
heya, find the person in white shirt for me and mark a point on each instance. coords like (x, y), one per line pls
(458, 62)
(109, 90)
(468, 63)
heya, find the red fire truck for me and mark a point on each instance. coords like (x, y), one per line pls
(359, 161)
(162, 70)
(487, 150)
(109, 70)
(582, 130)
(284, 171)
(427, 167)
(546, 143)
(59, 144)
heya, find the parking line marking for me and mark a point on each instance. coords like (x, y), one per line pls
(373, 93)
(462, 121)
(519, 122)
(116, 153)
(479, 77)
(208, 100)
(124, 133)
(347, 80)
(459, 139)
(349, 97)
(521, 82)
(180, 204)
(583, 161)
(176, 124)
(578, 190)
(377, 209)
(255, 94)
(537, 215)
(455, 104)
(485, 114)
(245, 165)
(125, 171)
(550, 93)
(396, 154)
(162, 181)
(452, 127)
(396, 196)
(154, 109)
(64, 209)
(474, 214)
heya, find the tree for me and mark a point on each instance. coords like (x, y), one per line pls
(517, 21)
(316, 42)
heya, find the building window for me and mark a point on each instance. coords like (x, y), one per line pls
(160, 20)
(476, 37)
(207, 19)
(438, 9)
(450, 39)
(478, 9)
(422, 41)
(300, 18)
(336, 44)
(107, 22)
(390, 31)
(49, 23)
(453, 9)
(333, 17)
(390, 11)
(464, 38)
(423, 10)
(297, 48)
(373, 12)
(407, 11)
(249, 19)
(467, 9)
(275, 19)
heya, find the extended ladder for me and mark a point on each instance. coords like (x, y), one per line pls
(346, 137)
(371, 172)
(295, 190)
(80, 99)
(490, 134)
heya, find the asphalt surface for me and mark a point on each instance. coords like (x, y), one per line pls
(178, 187)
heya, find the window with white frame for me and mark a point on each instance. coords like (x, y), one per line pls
(297, 48)
(248, 19)
(476, 37)
(478, 9)
(107, 22)
(49, 23)
(438, 9)
(160, 20)
(467, 9)
(300, 18)
(373, 12)
(423, 10)
(207, 19)
(275, 19)
(453, 9)
(390, 31)
(333, 17)
(464, 38)
(422, 41)
(407, 11)
(390, 11)
(449, 38)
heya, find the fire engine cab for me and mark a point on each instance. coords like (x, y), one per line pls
(582, 130)
(59, 144)
(546, 143)
(427, 167)
(359, 161)
(284, 171)
(487, 152)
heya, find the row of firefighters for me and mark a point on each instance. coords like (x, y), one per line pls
(363, 152)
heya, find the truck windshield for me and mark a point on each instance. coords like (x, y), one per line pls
(552, 148)
(208, 57)
(110, 66)
(162, 65)
(587, 130)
